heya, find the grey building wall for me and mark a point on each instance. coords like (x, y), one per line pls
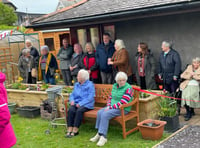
(182, 30)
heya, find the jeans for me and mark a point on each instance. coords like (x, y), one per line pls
(48, 78)
(106, 78)
(75, 116)
(103, 118)
(66, 76)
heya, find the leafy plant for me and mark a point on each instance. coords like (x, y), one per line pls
(67, 89)
(144, 95)
(168, 107)
(44, 87)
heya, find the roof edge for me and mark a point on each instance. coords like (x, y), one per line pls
(59, 11)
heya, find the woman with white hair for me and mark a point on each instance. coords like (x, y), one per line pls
(81, 100)
(47, 66)
(25, 65)
(89, 62)
(122, 93)
(120, 60)
(190, 88)
(33, 51)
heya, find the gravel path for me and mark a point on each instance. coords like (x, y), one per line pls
(187, 138)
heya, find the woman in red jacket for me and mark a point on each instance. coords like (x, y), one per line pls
(89, 62)
(7, 135)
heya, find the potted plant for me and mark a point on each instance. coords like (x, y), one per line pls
(168, 113)
(151, 129)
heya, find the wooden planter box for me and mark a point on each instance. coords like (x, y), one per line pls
(31, 98)
(148, 107)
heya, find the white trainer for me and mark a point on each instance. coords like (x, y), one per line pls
(101, 141)
(95, 138)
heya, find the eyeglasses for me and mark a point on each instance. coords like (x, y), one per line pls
(121, 80)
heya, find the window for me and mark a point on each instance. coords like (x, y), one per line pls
(94, 34)
(82, 37)
(111, 30)
(50, 43)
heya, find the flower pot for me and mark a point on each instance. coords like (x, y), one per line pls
(150, 132)
(28, 111)
(172, 123)
(11, 107)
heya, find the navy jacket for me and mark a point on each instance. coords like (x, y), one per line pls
(169, 66)
(102, 56)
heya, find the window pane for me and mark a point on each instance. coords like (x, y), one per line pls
(82, 37)
(50, 43)
(94, 34)
(111, 30)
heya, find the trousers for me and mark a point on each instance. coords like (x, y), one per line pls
(103, 118)
(75, 116)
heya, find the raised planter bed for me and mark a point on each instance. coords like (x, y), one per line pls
(28, 111)
(148, 107)
(30, 97)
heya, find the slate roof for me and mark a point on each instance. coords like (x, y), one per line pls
(9, 3)
(99, 7)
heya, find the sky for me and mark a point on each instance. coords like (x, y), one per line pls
(35, 6)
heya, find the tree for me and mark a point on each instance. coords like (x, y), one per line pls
(7, 15)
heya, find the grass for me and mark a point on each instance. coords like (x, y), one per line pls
(31, 134)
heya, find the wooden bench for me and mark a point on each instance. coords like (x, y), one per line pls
(102, 92)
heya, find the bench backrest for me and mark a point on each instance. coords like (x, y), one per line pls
(102, 92)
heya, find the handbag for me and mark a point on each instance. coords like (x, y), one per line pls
(34, 72)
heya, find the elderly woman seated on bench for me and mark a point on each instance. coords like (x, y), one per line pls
(81, 100)
(122, 93)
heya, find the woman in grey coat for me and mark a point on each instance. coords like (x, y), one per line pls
(65, 55)
(145, 67)
(25, 65)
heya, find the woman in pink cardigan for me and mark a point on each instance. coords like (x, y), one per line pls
(7, 135)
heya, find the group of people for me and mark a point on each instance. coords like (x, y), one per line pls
(108, 61)
(82, 100)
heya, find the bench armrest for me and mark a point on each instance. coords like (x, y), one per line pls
(127, 105)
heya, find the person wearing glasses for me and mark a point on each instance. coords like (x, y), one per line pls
(122, 93)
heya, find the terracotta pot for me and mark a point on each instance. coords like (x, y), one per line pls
(151, 133)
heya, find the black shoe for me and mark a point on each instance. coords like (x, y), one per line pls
(192, 111)
(74, 134)
(68, 135)
(187, 118)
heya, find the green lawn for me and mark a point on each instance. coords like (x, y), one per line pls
(31, 134)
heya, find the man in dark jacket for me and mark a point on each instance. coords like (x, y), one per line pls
(65, 55)
(104, 51)
(169, 67)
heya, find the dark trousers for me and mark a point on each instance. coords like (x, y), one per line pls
(171, 88)
(75, 116)
(143, 83)
(66, 74)
(48, 78)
